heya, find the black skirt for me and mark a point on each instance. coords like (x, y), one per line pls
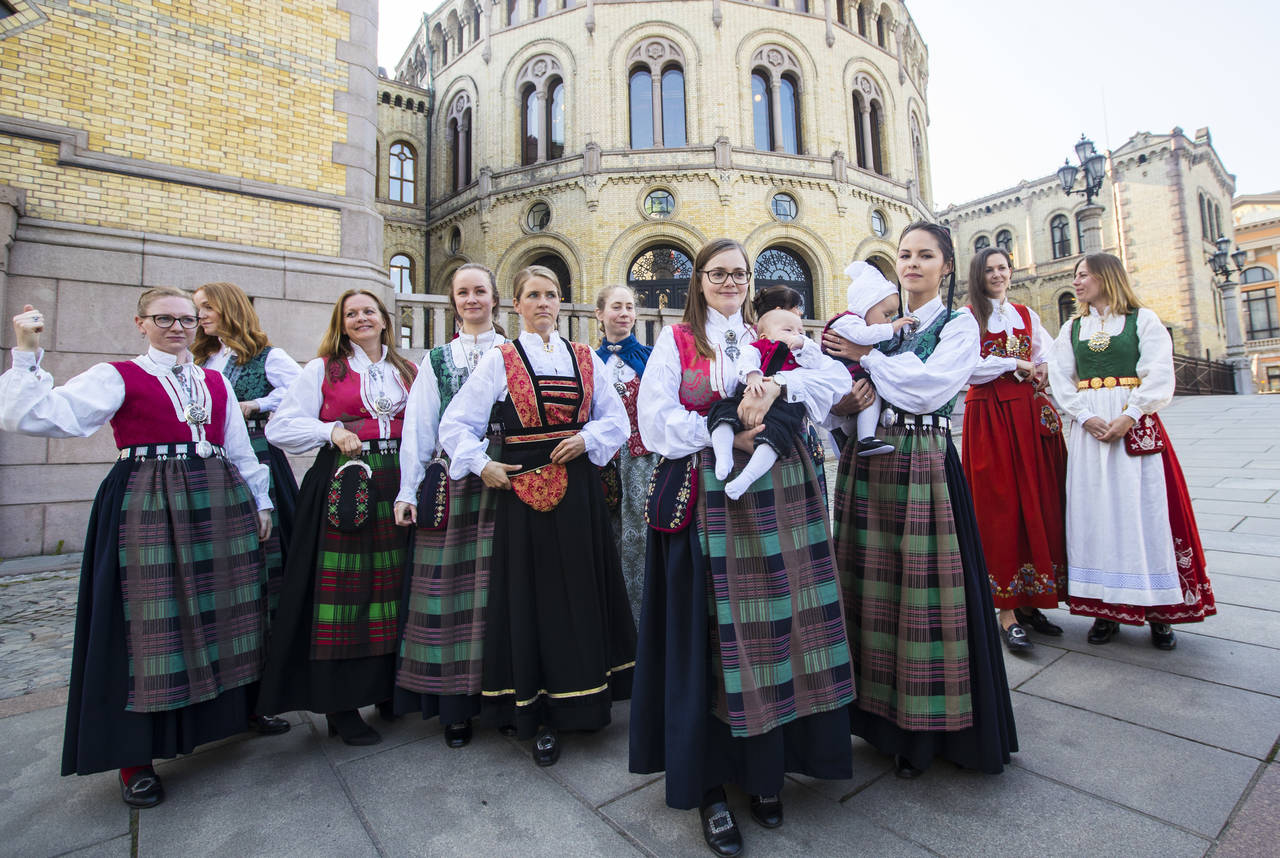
(985, 746)
(100, 734)
(559, 643)
(291, 679)
(284, 496)
(672, 725)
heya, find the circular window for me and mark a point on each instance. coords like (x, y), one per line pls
(455, 240)
(879, 225)
(659, 204)
(784, 207)
(538, 217)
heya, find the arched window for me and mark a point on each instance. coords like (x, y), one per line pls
(401, 270)
(459, 125)
(981, 243)
(444, 45)
(453, 33)
(1204, 219)
(660, 276)
(884, 26)
(884, 266)
(859, 130)
(1004, 241)
(880, 30)
(529, 130)
(475, 23)
(862, 20)
(1060, 237)
(917, 154)
(1261, 320)
(555, 119)
(400, 173)
(1256, 274)
(656, 86)
(557, 264)
(780, 266)
(541, 8)
(841, 19)
(877, 143)
(641, 101)
(802, 6)
(1217, 221)
(868, 128)
(513, 12)
(673, 126)
(775, 90)
(1066, 307)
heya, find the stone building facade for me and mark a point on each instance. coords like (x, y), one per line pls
(1166, 198)
(610, 140)
(1257, 226)
(146, 144)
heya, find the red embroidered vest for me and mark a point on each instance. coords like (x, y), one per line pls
(1003, 344)
(628, 393)
(696, 392)
(341, 401)
(148, 416)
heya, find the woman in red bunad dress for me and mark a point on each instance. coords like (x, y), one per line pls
(172, 610)
(1014, 456)
(1133, 549)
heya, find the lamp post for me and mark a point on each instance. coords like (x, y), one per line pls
(1094, 164)
(1222, 271)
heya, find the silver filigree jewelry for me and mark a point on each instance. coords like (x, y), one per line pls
(382, 404)
(731, 346)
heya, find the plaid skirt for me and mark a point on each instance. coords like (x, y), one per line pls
(355, 610)
(778, 647)
(284, 497)
(193, 582)
(446, 591)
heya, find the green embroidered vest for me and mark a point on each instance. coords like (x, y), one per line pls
(1119, 359)
(449, 376)
(923, 343)
(249, 380)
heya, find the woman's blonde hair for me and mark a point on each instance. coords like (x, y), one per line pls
(239, 328)
(524, 275)
(1116, 288)
(336, 345)
(156, 293)
(695, 303)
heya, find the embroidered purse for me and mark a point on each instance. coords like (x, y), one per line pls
(1049, 421)
(433, 495)
(1144, 437)
(673, 494)
(350, 498)
(542, 488)
(612, 484)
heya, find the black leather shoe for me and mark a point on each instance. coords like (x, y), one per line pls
(1015, 639)
(720, 829)
(351, 727)
(143, 789)
(546, 747)
(268, 725)
(1162, 636)
(1039, 622)
(1103, 631)
(457, 735)
(387, 712)
(905, 770)
(767, 810)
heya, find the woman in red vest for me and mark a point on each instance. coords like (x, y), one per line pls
(559, 641)
(1014, 456)
(176, 524)
(333, 641)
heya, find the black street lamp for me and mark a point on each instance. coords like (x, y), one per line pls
(1095, 169)
(1218, 261)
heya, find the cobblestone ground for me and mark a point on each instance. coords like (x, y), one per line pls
(37, 623)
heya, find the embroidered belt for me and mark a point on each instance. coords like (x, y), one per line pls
(382, 445)
(169, 451)
(915, 422)
(1107, 381)
(536, 437)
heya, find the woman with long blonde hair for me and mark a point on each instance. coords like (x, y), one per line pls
(333, 643)
(230, 340)
(1133, 548)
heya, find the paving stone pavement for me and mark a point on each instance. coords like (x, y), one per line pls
(1125, 750)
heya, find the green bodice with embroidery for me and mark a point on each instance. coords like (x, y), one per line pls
(249, 380)
(923, 343)
(1119, 358)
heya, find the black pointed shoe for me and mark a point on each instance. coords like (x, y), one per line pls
(351, 727)
(1039, 623)
(1103, 631)
(268, 725)
(1016, 640)
(143, 788)
(457, 735)
(546, 747)
(904, 769)
(767, 810)
(720, 829)
(1162, 636)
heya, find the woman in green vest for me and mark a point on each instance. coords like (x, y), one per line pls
(1133, 550)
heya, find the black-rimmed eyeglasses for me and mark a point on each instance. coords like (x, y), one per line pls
(164, 321)
(717, 276)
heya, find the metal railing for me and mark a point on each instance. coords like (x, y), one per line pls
(1199, 377)
(426, 321)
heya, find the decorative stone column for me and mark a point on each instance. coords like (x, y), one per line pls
(655, 78)
(1235, 338)
(868, 150)
(544, 128)
(1090, 218)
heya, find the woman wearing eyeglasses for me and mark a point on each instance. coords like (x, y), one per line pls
(172, 609)
(743, 669)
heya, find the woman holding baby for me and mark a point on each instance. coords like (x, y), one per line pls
(926, 652)
(734, 683)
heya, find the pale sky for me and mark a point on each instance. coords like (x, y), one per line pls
(1013, 83)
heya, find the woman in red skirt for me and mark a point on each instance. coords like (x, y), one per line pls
(1014, 456)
